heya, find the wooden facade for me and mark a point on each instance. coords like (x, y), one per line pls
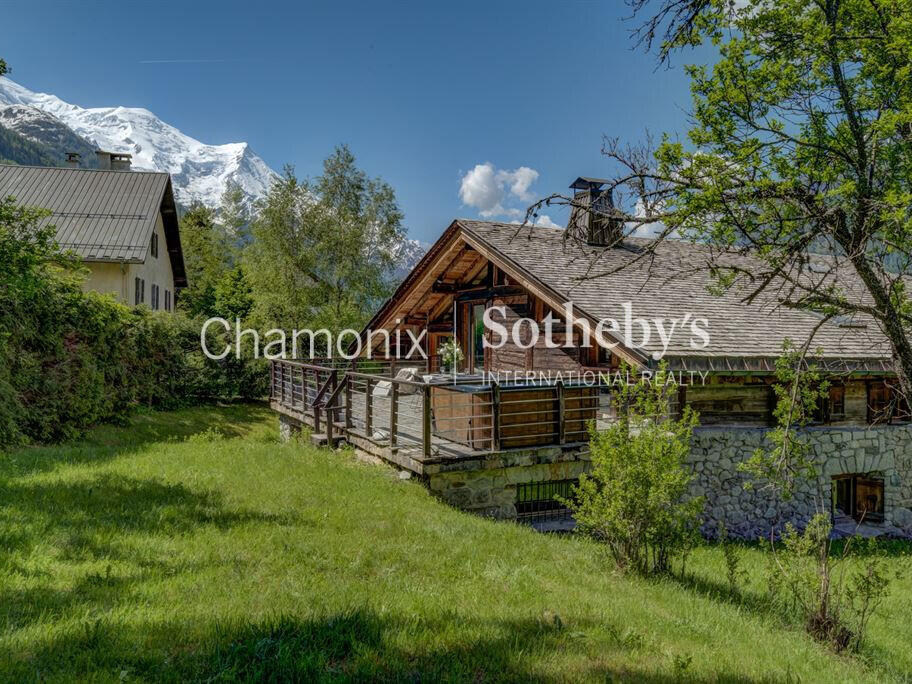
(462, 276)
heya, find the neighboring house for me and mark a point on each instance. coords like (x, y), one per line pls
(504, 461)
(121, 223)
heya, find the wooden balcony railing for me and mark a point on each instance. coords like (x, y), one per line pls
(459, 415)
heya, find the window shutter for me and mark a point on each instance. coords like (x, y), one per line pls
(153, 247)
(136, 292)
(142, 291)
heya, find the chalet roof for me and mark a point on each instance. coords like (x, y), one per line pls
(102, 215)
(671, 284)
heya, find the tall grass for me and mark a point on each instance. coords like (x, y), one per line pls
(191, 545)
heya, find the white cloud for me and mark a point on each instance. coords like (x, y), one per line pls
(542, 220)
(481, 189)
(545, 220)
(519, 181)
(488, 189)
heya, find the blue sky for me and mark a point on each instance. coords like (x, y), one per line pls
(422, 92)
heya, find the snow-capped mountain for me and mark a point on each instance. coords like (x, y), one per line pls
(199, 172)
(45, 129)
(408, 255)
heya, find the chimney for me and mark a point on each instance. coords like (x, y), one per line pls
(588, 220)
(114, 161)
(72, 159)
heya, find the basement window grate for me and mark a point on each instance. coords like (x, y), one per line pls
(540, 501)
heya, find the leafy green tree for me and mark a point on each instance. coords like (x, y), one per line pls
(234, 217)
(635, 499)
(323, 250)
(801, 143)
(207, 257)
(233, 295)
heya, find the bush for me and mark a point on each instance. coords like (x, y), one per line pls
(635, 497)
(69, 359)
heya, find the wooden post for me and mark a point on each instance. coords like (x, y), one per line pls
(329, 425)
(394, 418)
(368, 409)
(495, 417)
(316, 405)
(426, 421)
(561, 401)
(348, 402)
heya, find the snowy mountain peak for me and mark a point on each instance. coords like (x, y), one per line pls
(200, 172)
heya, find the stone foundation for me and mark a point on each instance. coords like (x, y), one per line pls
(486, 483)
(491, 490)
(884, 451)
(288, 427)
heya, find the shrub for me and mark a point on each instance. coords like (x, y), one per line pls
(635, 499)
(69, 359)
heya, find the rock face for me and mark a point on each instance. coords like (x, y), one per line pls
(885, 452)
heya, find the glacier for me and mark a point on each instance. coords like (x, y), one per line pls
(199, 172)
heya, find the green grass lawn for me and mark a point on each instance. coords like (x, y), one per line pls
(193, 546)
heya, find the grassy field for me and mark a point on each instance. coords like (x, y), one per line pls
(192, 546)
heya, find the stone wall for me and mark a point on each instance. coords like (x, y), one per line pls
(885, 451)
(489, 487)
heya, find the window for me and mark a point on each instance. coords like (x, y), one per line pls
(154, 295)
(478, 333)
(139, 291)
(538, 501)
(859, 496)
(886, 404)
(153, 247)
(167, 300)
(831, 408)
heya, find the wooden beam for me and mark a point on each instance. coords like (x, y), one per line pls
(550, 297)
(442, 287)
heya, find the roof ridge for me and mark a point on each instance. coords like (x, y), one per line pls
(79, 168)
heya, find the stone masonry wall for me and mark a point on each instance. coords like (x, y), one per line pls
(716, 452)
(488, 487)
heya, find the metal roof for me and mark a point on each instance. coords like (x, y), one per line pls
(101, 215)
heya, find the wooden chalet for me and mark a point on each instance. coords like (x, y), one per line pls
(467, 421)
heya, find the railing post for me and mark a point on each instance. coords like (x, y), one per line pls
(426, 421)
(330, 411)
(394, 417)
(562, 426)
(315, 405)
(282, 382)
(368, 409)
(495, 417)
(348, 401)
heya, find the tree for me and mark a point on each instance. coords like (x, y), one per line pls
(207, 257)
(635, 499)
(4, 69)
(323, 250)
(234, 216)
(801, 144)
(808, 572)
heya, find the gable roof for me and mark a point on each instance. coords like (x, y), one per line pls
(101, 215)
(670, 284)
